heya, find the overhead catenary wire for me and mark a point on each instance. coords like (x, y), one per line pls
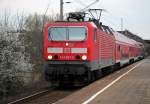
(89, 5)
(114, 21)
(111, 22)
(80, 2)
(116, 24)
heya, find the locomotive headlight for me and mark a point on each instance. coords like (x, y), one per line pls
(50, 57)
(84, 57)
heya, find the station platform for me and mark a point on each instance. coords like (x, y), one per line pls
(131, 87)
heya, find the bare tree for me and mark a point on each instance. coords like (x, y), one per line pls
(13, 59)
(20, 52)
(20, 21)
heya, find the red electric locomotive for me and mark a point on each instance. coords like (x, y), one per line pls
(75, 52)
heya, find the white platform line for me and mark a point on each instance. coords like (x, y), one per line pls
(109, 85)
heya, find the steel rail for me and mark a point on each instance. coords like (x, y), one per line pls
(30, 97)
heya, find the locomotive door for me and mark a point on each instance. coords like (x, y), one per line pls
(96, 48)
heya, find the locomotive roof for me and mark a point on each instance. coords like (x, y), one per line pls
(71, 23)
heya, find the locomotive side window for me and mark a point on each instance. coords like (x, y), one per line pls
(95, 34)
(67, 33)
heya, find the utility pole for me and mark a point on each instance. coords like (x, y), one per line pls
(61, 10)
(121, 24)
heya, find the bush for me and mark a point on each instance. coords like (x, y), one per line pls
(9, 85)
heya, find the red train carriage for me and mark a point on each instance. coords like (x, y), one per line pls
(127, 50)
(140, 51)
(124, 49)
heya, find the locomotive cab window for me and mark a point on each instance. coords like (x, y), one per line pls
(57, 34)
(67, 33)
(77, 33)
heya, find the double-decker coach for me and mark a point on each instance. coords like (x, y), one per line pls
(127, 50)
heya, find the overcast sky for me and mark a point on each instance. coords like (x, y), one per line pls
(135, 13)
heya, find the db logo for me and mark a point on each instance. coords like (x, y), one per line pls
(67, 50)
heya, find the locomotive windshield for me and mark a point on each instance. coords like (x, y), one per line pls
(67, 33)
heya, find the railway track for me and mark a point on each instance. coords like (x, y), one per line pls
(30, 97)
(45, 96)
